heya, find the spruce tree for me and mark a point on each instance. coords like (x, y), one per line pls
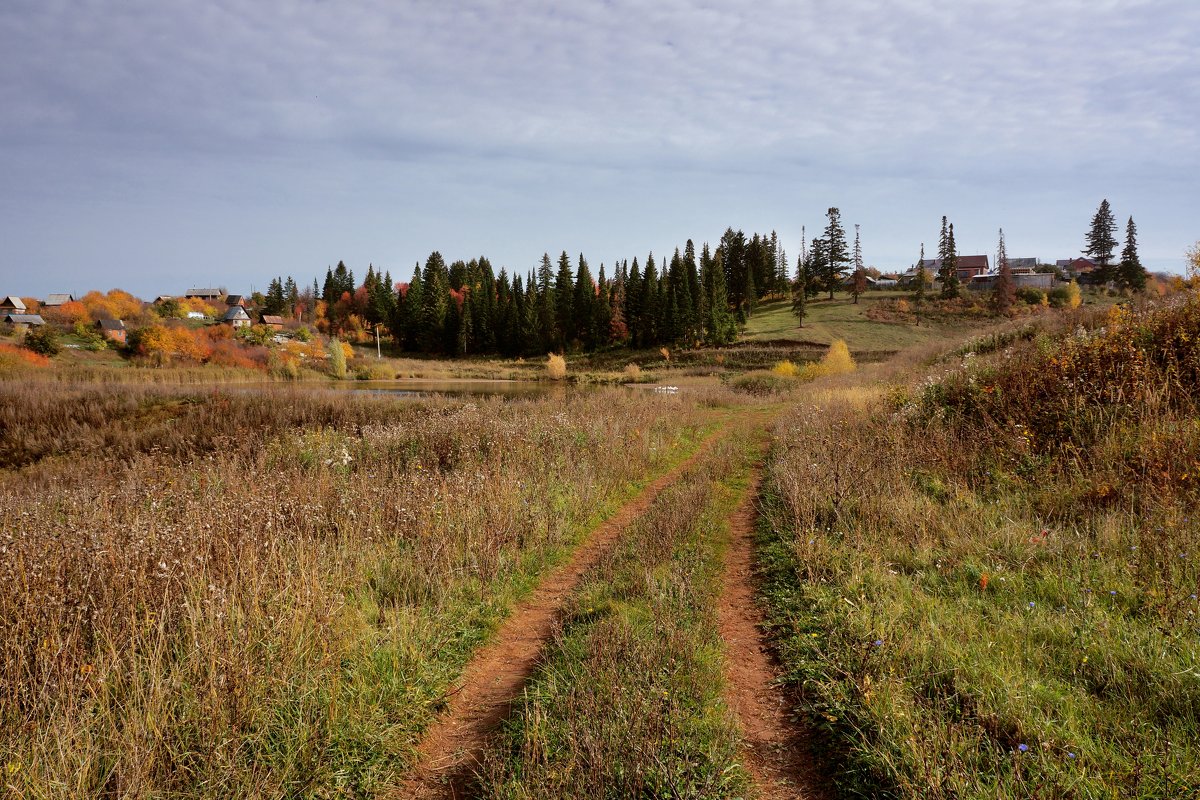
(1131, 274)
(564, 302)
(1101, 241)
(836, 256)
(584, 305)
(435, 298)
(1004, 294)
(800, 291)
(948, 261)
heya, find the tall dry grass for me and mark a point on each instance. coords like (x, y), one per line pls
(268, 593)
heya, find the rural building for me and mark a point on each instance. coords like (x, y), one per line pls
(23, 321)
(56, 300)
(967, 267)
(235, 300)
(112, 329)
(206, 294)
(12, 304)
(1021, 279)
(1076, 266)
(195, 315)
(236, 317)
(162, 298)
(273, 322)
(1029, 264)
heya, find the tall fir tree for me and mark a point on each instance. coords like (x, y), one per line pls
(836, 256)
(1101, 241)
(1131, 274)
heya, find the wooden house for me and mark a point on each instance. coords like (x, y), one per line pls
(12, 304)
(236, 317)
(273, 322)
(112, 329)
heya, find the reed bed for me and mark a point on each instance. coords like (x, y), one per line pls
(267, 593)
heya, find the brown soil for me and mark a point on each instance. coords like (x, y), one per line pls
(775, 746)
(449, 753)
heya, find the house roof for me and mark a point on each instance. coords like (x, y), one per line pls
(196, 292)
(111, 325)
(1023, 263)
(58, 299)
(964, 262)
(271, 319)
(24, 319)
(234, 299)
(235, 312)
(12, 301)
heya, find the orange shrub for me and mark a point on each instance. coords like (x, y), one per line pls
(12, 356)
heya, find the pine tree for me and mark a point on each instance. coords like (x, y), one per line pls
(948, 262)
(651, 305)
(1004, 294)
(435, 298)
(731, 252)
(291, 296)
(1101, 241)
(836, 257)
(584, 305)
(800, 291)
(921, 279)
(1131, 274)
(719, 325)
(545, 309)
(858, 279)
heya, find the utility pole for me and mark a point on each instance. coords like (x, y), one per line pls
(378, 354)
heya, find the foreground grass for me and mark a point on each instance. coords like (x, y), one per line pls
(268, 594)
(992, 592)
(628, 703)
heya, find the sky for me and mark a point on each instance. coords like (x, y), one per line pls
(155, 146)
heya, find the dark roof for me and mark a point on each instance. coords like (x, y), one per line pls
(972, 262)
(24, 319)
(1023, 263)
(271, 319)
(235, 312)
(234, 299)
(111, 325)
(12, 301)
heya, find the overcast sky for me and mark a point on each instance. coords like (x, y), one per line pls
(157, 145)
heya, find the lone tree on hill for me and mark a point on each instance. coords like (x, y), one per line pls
(1131, 274)
(836, 257)
(800, 290)
(1004, 294)
(1101, 241)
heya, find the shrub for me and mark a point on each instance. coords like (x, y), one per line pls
(1031, 295)
(13, 357)
(304, 334)
(92, 339)
(785, 369)
(374, 372)
(837, 361)
(43, 340)
(760, 383)
(556, 367)
(632, 372)
(337, 359)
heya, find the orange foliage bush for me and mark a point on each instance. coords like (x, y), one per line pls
(68, 314)
(12, 356)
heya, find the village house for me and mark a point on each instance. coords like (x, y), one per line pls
(273, 322)
(23, 321)
(112, 329)
(208, 295)
(56, 300)
(235, 300)
(236, 317)
(12, 305)
(967, 267)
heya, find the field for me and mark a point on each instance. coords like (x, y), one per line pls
(967, 570)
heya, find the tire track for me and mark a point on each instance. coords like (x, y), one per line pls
(775, 747)
(449, 752)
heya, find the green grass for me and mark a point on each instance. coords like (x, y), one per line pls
(840, 318)
(629, 700)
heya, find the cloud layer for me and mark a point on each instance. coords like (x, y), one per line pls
(444, 111)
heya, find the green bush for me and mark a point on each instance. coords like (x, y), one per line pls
(43, 340)
(1031, 295)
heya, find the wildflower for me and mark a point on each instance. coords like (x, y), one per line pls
(879, 642)
(983, 582)
(1113, 592)
(1023, 747)
(1032, 604)
(1070, 755)
(86, 669)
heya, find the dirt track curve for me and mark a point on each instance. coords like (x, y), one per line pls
(449, 752)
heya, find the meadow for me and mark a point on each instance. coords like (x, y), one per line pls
(977, 569)
(219, 593)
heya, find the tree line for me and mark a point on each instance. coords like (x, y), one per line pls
(469, 308)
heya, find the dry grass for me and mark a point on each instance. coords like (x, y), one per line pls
(266, 593)
(556, 367)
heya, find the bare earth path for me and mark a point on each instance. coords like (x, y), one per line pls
(776, 747)
(448, 753)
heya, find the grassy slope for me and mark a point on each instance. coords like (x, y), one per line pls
(840, 318)
(991, 613)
